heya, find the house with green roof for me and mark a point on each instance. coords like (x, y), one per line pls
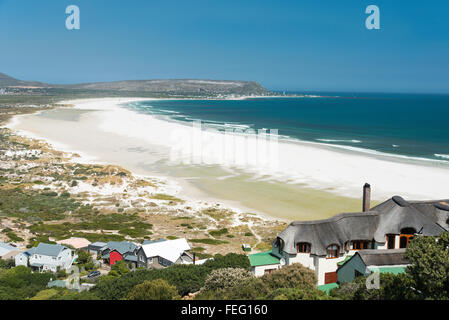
(263, 262)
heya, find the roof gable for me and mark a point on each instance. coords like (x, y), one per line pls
(46, 249)
(170, 250)
(390, 216)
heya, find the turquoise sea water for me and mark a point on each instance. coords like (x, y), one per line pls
(407, 125)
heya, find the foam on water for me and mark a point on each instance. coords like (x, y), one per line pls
(337, 168)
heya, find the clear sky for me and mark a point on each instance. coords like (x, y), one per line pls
(304, 45)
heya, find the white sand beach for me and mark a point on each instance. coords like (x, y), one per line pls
(287, 179)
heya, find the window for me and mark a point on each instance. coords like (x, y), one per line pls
(333, 251)
(142, 258)
(357, 273)
(164, 262)
(267, 271)
(360, 244)
(303, 247)
(404, 239)
(407, 234)
(391, 238)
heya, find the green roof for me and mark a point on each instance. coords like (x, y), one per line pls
(328, 287)
(262, 259)
(394, 270)
(344, 261)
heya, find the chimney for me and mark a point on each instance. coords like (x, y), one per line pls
(366, 197)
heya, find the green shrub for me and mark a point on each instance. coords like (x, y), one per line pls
(226, 278)
(219, 232)
(153, 290)
(291, 276)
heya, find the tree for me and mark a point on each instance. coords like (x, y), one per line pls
(392, 287)
(186, 278)
(121, 267)
(429, 269)
(84, 257)
(7, 264)
(153, 290)
(291, 276)
(226, 278)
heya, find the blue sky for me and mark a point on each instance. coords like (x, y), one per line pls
(285, 45)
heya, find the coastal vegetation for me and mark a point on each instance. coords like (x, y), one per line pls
(46, 196)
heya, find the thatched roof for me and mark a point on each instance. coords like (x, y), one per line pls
(391, 216)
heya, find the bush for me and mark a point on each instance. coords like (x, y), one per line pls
(120, 267)
(186, 278)
(20, 283)
(250, 289)
(226, 278)
(291, 276)
(218, 232)
(7, 264)
(153, 290)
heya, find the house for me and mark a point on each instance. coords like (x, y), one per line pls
(164, 253)
(95, 248)
(263, 262)
(77, 243)
(321, 244)
(46, 257)
(7, 251)
(115, 251)
(364, 262)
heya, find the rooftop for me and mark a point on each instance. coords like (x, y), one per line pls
(77, 243)
(383, 257)
(168, 249)
(391, 216)
(47, 249)
(262, 259)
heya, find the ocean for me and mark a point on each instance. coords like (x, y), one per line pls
(405, 125)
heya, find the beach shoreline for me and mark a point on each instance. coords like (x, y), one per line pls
(342, 192)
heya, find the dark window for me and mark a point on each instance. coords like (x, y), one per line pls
(391, 241)
(404, 240)
(408, 231)
(361, 244)
(303, 247)
(407, 234)
(357, 273)
(267, 271)
(333, 251)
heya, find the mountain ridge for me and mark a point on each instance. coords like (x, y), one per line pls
(178, 86)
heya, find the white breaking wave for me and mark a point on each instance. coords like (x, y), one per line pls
(445, 156)
(336, 140)
(336, 168)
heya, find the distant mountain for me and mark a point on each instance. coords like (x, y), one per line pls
(7, 81)
(173, 86)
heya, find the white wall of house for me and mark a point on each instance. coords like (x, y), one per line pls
(327, 265)
(63, 260)
(21, 259)
(260, 270)
(306, 259)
